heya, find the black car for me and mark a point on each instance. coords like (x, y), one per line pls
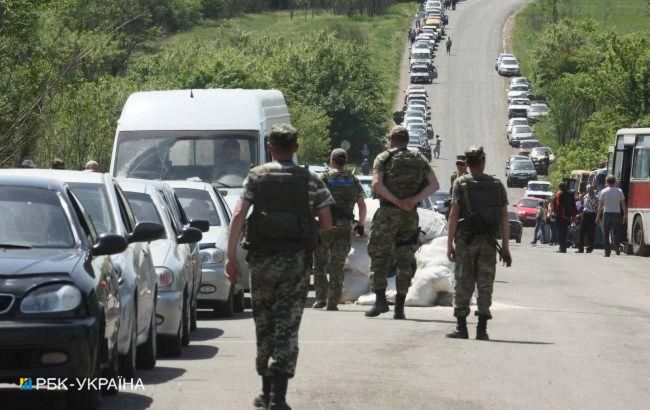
(520, 172)
(59, 292)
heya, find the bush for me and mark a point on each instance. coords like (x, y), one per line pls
(313, 126)
(185, 13)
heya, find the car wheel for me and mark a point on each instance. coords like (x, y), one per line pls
(639, 247)
(128, 361)
(86, 399)
(227, 308)
(146, 357)
(239, 304)
(171, 346)
(112, 372)
(186, 321)
(509, 184)
(193, 324)
(518, 240)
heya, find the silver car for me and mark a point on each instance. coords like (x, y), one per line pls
(201, 201)
(172, 258)
(111, 213)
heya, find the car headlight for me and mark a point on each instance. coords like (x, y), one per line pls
(164, 276)
(51, 299)
(211, 256)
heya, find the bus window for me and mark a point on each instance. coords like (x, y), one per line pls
(641, 168)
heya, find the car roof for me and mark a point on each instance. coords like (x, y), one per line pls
(530, 198)
(27, 180)
(62, 175)
(198, 185)
(539, 182)
(529, 140)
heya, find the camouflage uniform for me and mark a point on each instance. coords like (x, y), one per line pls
(279, 286)
(392, 229)
(475, 258)
(336, 242)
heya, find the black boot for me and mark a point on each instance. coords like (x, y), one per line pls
(279, 393)
(461, 329)
(381, 305)
(262, 401)
(399, 307)
(481, 328)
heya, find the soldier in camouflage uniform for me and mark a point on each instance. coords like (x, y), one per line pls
(478, 210)
(401, 180)
(281, 234)
(336, 242)
(461, 169)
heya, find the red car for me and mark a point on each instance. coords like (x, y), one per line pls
(526, 209)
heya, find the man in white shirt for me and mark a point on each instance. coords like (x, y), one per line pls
(613, 212)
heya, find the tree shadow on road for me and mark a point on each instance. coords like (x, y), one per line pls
(520, 342)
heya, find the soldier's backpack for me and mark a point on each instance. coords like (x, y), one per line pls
(282, 219)
(343, 187)
(482, 203)
(405, 176)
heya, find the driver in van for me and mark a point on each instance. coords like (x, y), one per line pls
(231, 164)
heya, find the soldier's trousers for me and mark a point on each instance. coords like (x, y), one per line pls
(336, 244)
(279, 286)
(392, 230)
(475, 268)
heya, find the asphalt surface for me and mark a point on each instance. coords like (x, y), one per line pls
(569, 331)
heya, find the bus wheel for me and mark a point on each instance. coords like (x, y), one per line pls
(639, 247)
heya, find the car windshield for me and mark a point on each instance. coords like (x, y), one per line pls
(520, 121)
(529, 144)
(143, 207)
(422, 44)
(523, 165)
(540, 151)
(439, 195)
(520, 102)
(414, 113)
(519, 88)
(419, 69)
(508, 61)
(522, 129)
(539, 187)
(213, 156)
(94, 199)
(33, 217)
(539, 108)
(421, 56)
(197, 204)
(529, 203)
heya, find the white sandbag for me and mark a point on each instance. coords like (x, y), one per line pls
(369, 298)
(432, 224)
(358, 259)
(427, 284)
(355, 284)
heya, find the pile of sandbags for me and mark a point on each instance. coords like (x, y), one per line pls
(433, 283)
(433, 280)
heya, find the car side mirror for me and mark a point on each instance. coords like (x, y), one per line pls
(200, 224)
(147, 232)
(189, 235)
(109, 244)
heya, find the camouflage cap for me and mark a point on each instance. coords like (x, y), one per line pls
(399, 132)
(340, 154)
(460, 159)
(283, 135)
(474, 152)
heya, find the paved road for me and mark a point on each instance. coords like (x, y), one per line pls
(570, 331)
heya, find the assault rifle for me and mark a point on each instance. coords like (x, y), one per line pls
(475, 226)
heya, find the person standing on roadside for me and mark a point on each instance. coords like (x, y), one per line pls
(588, 224)
(479, 209)
(336, 243)
(565, 213)
(613, 212)
(436, 147)
(281, 234)
(57, 163)
(540, 224)
(401, 180)
(448, 43)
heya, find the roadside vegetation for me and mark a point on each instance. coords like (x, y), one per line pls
(67, 66)
(590, 60)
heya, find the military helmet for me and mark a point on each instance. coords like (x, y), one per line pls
(474, 153)
(283, 135)
(460, 160)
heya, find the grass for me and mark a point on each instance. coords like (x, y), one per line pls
(621, 16)
(383, 35)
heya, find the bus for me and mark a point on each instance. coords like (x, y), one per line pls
(631, 167)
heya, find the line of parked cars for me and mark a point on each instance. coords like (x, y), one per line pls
(101, 274)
